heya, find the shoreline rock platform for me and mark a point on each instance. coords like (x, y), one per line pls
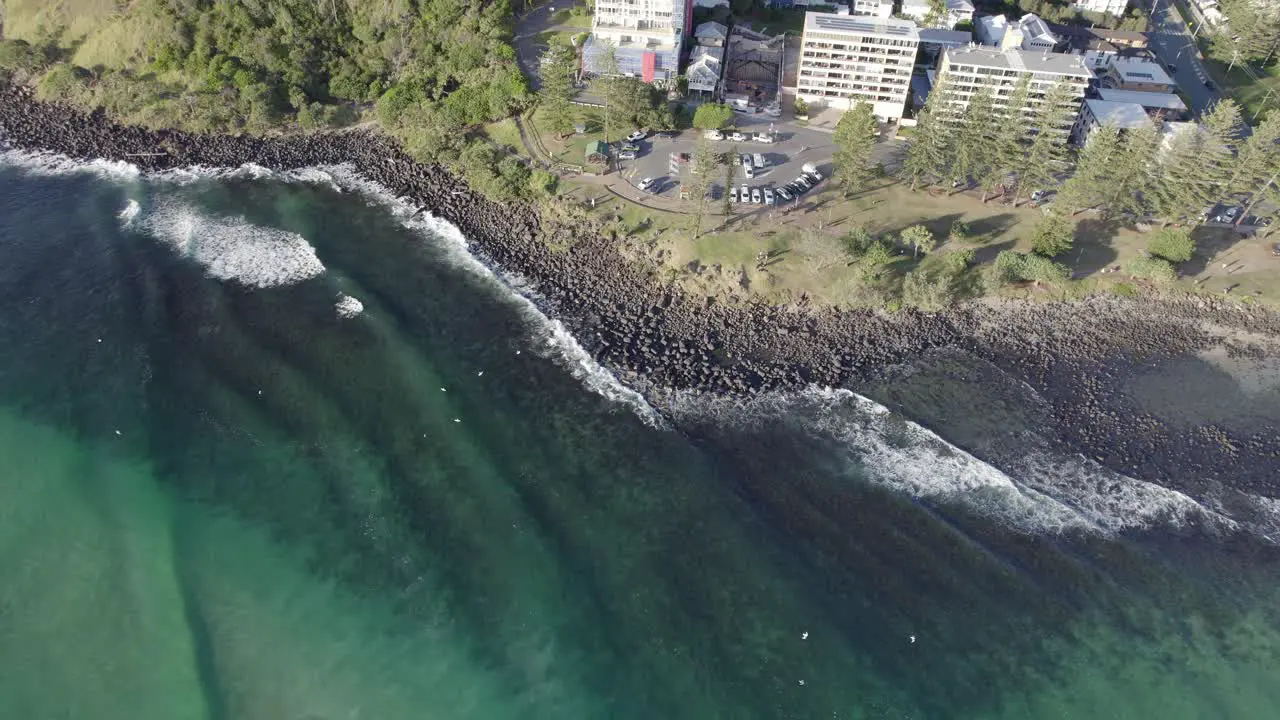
(1078, 355)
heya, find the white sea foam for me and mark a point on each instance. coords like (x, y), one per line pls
(550, 337)
(1043, 494)
(348, 307)
(128, 213)
(47, 163)
(231, 248)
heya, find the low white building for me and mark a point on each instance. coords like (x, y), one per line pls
(1168, 105)
(1115, 7)
(845, 59)
(872, 8)
(1124, 73)
(958, 11)
(1096, 113)
(706, 64)
(1028, 33)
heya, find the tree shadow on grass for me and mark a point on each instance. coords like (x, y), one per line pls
(987, 254)
(992, 225)
(1210, 242)
(1093, 250)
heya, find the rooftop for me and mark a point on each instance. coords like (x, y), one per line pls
(1026, 60)
(1122, 115)
(711, 30)
(859, 25)
(1033, 28)
(1166, 101)
(1123, 37)
(1137, 70)
(950, 38)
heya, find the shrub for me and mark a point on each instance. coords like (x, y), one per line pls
(712, 116)
(1173, 244)
(1052, 236)
(1152, 268)
(1011, 267)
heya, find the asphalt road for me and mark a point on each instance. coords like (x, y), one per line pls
(1172, 44)
(528, 26)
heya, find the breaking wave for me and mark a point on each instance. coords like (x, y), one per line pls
(1044, 494)
(232, 248)
(128, 213)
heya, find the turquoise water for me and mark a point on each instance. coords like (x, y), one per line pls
(219, 498)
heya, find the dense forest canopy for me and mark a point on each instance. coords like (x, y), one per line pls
(255, 64)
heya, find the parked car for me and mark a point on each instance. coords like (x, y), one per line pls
(1275, 249)
(803, 183)
(812, 171)
(637, 135)
(733, 194)
(645, 184)
(745, 159)
(630, 148)
(627, 155)
(755, 195)
(768, 196)
(738, 137)
(763, 138)
(784, 193)
(1039, 195)
(748, 171)
(745, 193)
(759, 161)
(1231, 213)
(715, 135)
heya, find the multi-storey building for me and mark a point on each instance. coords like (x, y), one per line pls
(968, 70)
(646, 37)
(846, 59)
(1028, 33)
(1115, 7)
(872, 8)
(958, 11)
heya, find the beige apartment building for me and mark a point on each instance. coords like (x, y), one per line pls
(969, 69)
(845, 59)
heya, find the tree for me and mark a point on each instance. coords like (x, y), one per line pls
(1090, 183)
(973, 144)
(801, 108)
(606, 83)
(1252, 36)
(730, 177)
(1152, 268)
(1258, 164)
(1048, 145)
(698, 182)
(712, 116)
(919, 239)
(958, 233)
(559, 63)
(1052, 236)
(928, 151)
(1011, 267)
(855, 138)
(1009, 138)
(1196, 169)
(1173, 244)
(874, 260)
(856, 242)
(1128, 189)
(936, 17)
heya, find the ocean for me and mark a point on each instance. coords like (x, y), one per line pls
(273, 446)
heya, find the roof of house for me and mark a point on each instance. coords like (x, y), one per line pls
(1033, 28)
(704, 64)
(948, 38)
(877, 27)
(1139, 70)
(921, 8)
(711, 30)
(1123, 115)
(1013, 59)
(1165, 101)
(597, 147)
(1123, 37)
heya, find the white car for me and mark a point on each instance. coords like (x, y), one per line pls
(755, 195)
(745, 194)
(784, 193)
(637, 135)
(733, 194)
(768, 197)
(715, 135)
(812, 171)
(748, 171)
(738, 137)
(627, 155)
(763, 138)
(1231, 213)
(645, 184)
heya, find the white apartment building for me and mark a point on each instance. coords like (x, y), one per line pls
(967, 70)
(872, 8)
(1029, 32)
(646, 36)
(1115, 7)
(845, 59)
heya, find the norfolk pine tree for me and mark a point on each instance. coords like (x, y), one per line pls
(1048, 145)
(704, 164)
(973, 142)
(1008, 141)
(1258, 164)
(556, 95)
(928, 151)
(855, 138)
(1129, 187)
(1089, 185)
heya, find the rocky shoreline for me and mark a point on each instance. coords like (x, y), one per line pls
(1077, 355)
